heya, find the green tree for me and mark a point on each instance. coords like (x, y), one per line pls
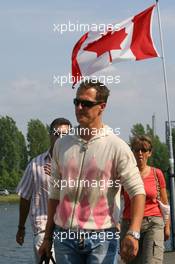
(23, 151)
(160, 158)
(13, 152)
(37, 137)
(149, 132)
(138, 130)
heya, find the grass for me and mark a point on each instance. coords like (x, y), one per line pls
(11, 198)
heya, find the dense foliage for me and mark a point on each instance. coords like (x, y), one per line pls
(14, 153)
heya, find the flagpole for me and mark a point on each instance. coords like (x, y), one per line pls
(171, 157)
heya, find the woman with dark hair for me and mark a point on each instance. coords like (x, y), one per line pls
(153, 231)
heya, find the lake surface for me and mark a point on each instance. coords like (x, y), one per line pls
(10, 251)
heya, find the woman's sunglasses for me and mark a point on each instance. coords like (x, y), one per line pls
(144, 150)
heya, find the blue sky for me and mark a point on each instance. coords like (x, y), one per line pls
(31, 53)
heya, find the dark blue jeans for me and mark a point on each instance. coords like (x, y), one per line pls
(95, 247)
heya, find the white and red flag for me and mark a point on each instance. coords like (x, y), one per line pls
(131, 40)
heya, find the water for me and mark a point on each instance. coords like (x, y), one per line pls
(10, 251)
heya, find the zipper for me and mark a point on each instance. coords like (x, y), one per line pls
(83, 149)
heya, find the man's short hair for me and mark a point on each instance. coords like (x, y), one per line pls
(59, 122)
(102, 91)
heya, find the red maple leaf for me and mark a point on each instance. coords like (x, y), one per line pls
(108, 42)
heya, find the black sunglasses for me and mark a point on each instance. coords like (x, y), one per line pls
(85, 103)
(141, 149)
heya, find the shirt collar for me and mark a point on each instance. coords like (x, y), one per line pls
(47, 155)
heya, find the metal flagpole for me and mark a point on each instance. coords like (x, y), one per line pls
(154, 124)
(171, 157)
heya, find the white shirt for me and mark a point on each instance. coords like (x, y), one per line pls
(34, 185)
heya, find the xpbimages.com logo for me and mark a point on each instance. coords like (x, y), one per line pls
(82, 235)
(81, 131)
(69, 79)
(102, 184)
(84, 27)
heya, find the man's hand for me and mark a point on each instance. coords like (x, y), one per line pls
(129, 248)
(20, 236)
(24, 207)
(45, 248)
(47, 168)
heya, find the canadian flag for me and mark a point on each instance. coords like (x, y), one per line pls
(131, 40)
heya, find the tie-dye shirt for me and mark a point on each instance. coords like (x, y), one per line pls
(86, 178)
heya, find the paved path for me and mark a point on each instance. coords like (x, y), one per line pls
(169, 258)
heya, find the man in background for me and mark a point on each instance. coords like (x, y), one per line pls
(33, 189)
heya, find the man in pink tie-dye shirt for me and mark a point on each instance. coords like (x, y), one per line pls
(88, 167)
